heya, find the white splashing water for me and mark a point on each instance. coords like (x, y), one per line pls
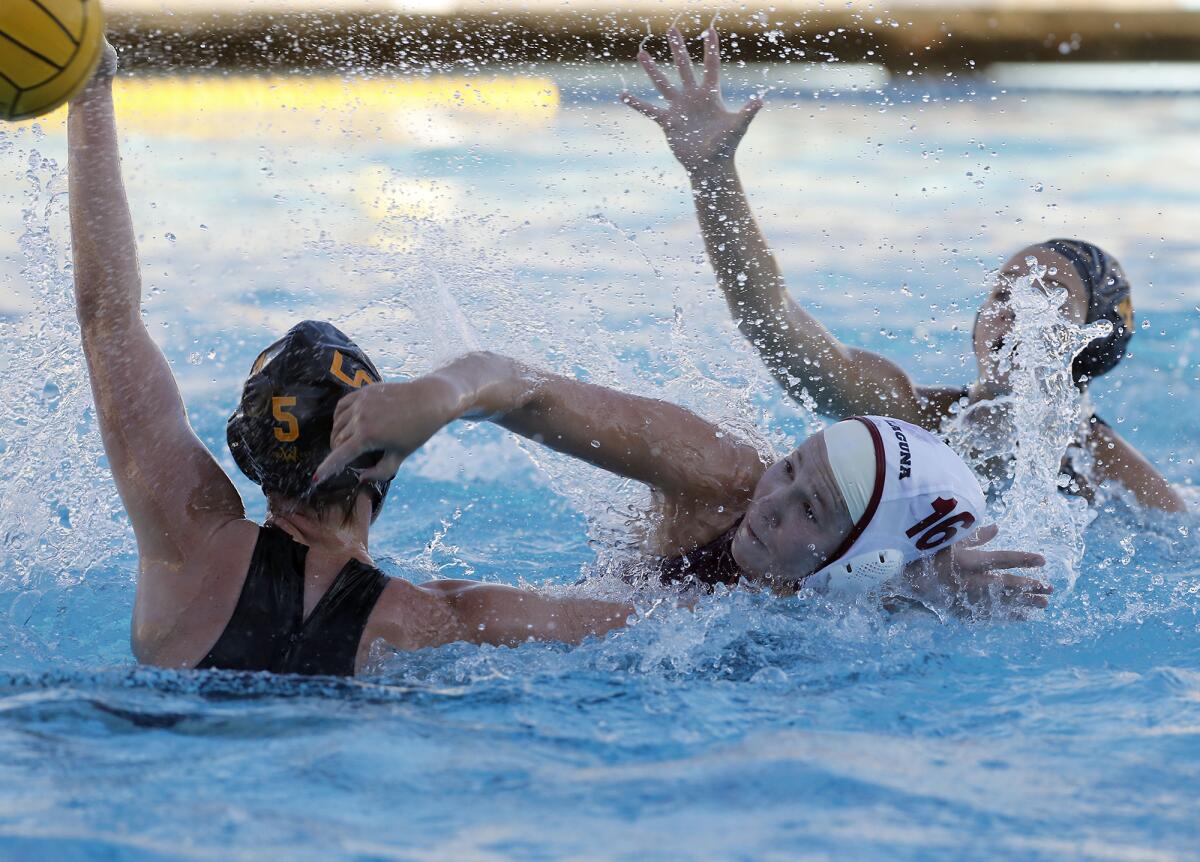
(1019, 440)
(59, 510)
(454, 289)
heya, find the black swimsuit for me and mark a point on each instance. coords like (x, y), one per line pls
(708, 566)
(268, 630)
(1075, 482)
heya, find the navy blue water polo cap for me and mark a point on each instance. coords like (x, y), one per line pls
(279, 433)
(1108, 299)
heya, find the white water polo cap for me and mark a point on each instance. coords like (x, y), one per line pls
(851, 451)
(908, 493)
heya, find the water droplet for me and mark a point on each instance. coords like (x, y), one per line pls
(1038, 187)
(169, 236)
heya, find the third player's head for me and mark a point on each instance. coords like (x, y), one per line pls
(1096, 288)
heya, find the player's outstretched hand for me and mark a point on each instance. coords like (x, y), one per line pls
(972, 581)
(700, 130)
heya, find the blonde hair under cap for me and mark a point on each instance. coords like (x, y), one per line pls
(852, 457)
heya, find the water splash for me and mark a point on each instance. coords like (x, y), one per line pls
(59, 509)
(628, 236)
(1018, 440)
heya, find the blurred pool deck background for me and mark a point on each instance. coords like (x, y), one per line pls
(902, 35)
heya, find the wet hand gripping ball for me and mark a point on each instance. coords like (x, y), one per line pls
(48, 51)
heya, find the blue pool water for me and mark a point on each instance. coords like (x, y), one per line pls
(752, 728)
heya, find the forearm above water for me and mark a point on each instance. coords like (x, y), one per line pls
(107, 277)
(652, 441)
(796, 349)
(745, 266)
(799, 352)
(661, 444)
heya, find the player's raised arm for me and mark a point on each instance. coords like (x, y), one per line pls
(174, 491)
(800, 353)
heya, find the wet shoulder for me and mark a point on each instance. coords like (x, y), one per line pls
(181, 611)
(408, 617)
(677, 527)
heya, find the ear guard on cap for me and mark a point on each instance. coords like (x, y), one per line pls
(858, 576)
(1108, 299)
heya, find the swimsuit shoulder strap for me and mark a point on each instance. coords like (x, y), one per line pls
(269, 609)
(327, 642)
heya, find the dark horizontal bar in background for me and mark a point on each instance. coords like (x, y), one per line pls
(918, 39)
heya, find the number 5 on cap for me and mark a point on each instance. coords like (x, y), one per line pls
(360, 378)
(290, 431)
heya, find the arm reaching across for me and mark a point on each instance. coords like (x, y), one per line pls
(498, 615)
(665, 446)
(1116, 459)
(176, 494)
(798, 351)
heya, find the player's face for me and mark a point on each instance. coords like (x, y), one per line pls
(994, 323)
(796, 520)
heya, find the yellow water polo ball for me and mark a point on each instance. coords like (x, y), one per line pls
(48, 50)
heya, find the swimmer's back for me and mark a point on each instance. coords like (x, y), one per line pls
(273, 628)
(248, 608)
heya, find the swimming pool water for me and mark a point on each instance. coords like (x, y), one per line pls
(560, 230)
